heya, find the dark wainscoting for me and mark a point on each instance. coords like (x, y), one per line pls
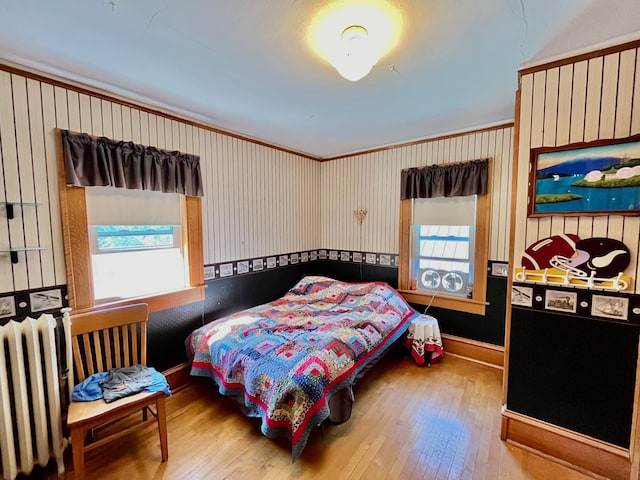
(358, 272)
(574, 372)
(488, 329)
(166, 332)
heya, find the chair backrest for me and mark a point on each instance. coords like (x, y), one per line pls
(109, 338)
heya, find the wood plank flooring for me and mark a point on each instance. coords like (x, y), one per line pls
(408, 423)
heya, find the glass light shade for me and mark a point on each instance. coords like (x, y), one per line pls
(354, 60)
(353, 35)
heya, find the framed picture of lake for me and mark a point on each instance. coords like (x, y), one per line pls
(596, 178)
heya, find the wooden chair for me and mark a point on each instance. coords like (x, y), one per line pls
(101, 340)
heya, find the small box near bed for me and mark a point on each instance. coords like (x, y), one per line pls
(292, 362)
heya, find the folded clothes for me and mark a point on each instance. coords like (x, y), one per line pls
(120, 382)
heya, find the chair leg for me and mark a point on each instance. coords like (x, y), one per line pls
(162, 427)
(77, 445)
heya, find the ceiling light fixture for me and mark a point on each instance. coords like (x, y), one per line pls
(356, 60)
(352, 36)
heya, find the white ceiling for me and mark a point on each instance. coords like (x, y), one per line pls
(245, 66)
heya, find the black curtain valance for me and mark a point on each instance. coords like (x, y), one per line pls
(100, 162)
(453, 180)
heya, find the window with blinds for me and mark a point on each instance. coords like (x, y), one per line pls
(442, 237)
(136, 243)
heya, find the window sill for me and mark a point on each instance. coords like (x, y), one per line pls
(159, 302)
(460, 304)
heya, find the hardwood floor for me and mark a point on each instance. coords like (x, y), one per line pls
(408, 422)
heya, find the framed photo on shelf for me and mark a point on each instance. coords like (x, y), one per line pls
(609, 307)
(595, 178)
(560, 301)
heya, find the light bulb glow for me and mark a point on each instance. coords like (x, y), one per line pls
(354, 36)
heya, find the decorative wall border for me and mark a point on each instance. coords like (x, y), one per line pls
(268, 262)
(581, 303)
(367, 258)
(33, 302)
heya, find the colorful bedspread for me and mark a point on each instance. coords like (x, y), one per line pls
(289, 356)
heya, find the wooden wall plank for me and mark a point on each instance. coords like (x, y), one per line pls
(96, 117)
(144, 129)
(624, 101)
(127, 134)
(578, 101)
(107, 118)
(73, 109)
(565, 86)
(135, 126)
(538, 105)
(599, 226)
(85, 113)
(24, 228)
(52, 209)
(11, 170)
(609, 93)
(116, 119)
(504, 213)
(526, 95)
(594, 91)
(551, 107)
(615, 227)
(41, 187)
(630, 236)
(571, 225)
(6, 270)
(635, 110)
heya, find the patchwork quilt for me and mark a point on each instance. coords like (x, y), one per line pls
(287, 357)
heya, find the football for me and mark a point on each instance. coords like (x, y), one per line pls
(538, 255)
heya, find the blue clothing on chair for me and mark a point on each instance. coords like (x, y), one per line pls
(89, 389)
(120, 382)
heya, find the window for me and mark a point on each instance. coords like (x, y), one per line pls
(443, 251)
(151, 256)
(442, 242)
(160, 228)
(74, 206)
(136, 243)
(442, 260)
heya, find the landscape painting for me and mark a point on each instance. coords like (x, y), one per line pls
(594, 179)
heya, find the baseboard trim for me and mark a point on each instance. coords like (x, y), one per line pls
(479, 352)
(577, 451)
(178, 376)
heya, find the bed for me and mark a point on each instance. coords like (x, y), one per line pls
(290, 359)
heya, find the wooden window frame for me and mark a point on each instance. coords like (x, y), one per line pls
(477, 304)
(77, 250)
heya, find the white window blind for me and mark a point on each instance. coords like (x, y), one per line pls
(120, 206)
(444, 211)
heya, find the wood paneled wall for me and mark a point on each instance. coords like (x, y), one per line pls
(258, 200)
(588, 98)
(372, 181)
